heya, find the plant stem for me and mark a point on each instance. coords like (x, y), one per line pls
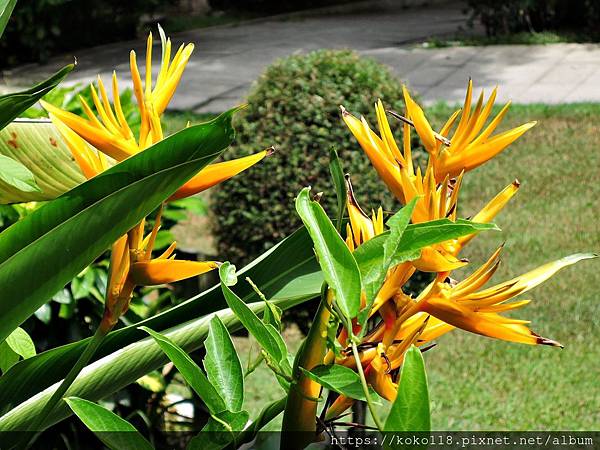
(84, 358)
(363, 380)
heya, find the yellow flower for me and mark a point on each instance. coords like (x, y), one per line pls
(132, 265)
(436, 200)
(464, 305)
(471, 144)
(107, 130)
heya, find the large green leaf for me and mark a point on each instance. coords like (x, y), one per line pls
(116, 433)
(337, 176)
(287, 272)
(256, 327)
(335, 258)
(340, 379)
(410, 410)
(20, 343)
(370, 255)
(11, 105)
(223, 366)
(37, 145)
(64, 236)
(6, 9)
(116, 370)
(16, 175)
(190, 371)
(373, 279)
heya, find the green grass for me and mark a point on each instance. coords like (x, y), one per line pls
(522, 38)
(478, 383)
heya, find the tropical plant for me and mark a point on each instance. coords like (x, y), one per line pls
(367, 338)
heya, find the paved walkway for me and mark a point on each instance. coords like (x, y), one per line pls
(228, 59)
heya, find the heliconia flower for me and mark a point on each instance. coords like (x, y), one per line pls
(471, 144)
(132, 265)
(463, 305)
(107, 131)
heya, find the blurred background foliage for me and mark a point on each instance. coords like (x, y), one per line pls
(40, 28)
(294, 106)
(534, 16)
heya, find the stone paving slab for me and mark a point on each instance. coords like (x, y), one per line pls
(228, 59)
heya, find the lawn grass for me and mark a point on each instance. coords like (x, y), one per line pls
(478, 383)
(522, 38)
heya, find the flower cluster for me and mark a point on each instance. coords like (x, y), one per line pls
(399, 320)
(105, 137)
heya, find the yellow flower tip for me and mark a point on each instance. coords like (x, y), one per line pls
(270, 151)
(344, 111)
(545, 341)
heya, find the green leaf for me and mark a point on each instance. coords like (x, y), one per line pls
(8, 357)
(20, 342)
(17, 175)
(410, 410)
(114, 432)
(375, 276)
(337, 175)
(11, 105)
(337, 263)
(62, 237)
(6, 9)
(215, 435)
(287, 274)
(190, 371)
(223, 366)
(248, 318)
(117, 370)
(39, 147)
(370, 255)
(340, 379)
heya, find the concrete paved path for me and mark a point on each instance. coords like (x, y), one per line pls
(228, 59)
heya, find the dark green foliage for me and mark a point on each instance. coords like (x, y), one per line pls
(295, 106)
(513, 16)
(38, 29)
(272, 6)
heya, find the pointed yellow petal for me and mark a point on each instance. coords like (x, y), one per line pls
(475, 280)
(119, 264)
(79, 148)
(148, 82)
(97, 137)
(162, 96)
(432, 260)
(466, 113)
(488, 324)
(169, 251)
(503, 291)
(362, 226)
(372, 145)
(338, 407)
(422, 126)
(161, 271)
(217, 173)
(492, 209)
(125, 130)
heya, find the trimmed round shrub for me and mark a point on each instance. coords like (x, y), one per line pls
(294, 106)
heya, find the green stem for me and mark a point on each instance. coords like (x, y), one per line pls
(83, 360)
(361, 374)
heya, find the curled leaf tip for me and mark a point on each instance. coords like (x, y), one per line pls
(317, 197)
(343, 111)
(516, 183)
